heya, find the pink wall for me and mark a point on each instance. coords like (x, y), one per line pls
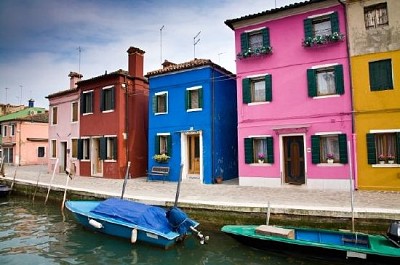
(291, 104)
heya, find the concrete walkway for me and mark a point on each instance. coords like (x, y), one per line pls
(228, 196)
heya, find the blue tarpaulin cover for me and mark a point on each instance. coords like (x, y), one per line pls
(140, 214)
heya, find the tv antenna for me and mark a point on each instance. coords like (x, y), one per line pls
(79, 66)
(20, 98)
(194, 43)
(161, 43)
(6, 93)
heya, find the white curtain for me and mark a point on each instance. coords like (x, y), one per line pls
(326, 83)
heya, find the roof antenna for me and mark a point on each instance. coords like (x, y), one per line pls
(79, 50)
(194, 44)
(161, 44)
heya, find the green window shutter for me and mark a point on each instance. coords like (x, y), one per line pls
(374, 76)
(80, 149)
(265, 34)
(343, 155)
(312, 82)
(154, 104)
(315, 149)
(246, 87)
(339, 79)
(157, 145)
(103, 148)
(187, 100)
(115, 151)
(398, 148)
(82, 99)
(270, 150)
(165, 102)
(334, 22)
(169, 145)
(244, 42)
(308, 29)
(200, 97)
(248, 150)
(112, 98)
(387, 80)
(268, 87)
(371, 148)
(102, 100)
(380, 75)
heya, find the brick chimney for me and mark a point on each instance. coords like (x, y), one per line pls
(74, 78)
(135, 62)
(167, 63)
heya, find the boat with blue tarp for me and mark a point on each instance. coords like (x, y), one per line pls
(321, 242)
(135, 221)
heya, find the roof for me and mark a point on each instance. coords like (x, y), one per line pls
(230, 22)
(63, 92)
(187, 65)
(119, 72)
(27, 112)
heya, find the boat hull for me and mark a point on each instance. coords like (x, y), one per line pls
(370, 251)
(4, 190)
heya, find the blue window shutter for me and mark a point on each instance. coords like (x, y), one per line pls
(246, 90)
(80, 149)
(268, 87)
(308, 29)
(103, 148)
(334, 22)
(339, 79)
(248, 150)
(270, 150)
(371, 148)
(244, 41)
(315, 149)
(343, 155)
(266, 39)
(312, 83)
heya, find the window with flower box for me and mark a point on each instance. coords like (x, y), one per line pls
(380, 75)
(325, 81)
(376, 16)
(329, 146)
(383, 146)
(259, 148)
(160, 103)
(322, 29)
(253, 43)
(163, 144)
(257, 89)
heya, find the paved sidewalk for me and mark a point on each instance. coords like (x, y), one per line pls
(228, 196)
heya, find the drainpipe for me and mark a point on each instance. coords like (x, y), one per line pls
(20, 143)
(126, 119)
(353, 125)
(212, 123)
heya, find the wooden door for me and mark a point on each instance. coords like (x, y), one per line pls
(194, 154)
(294, 165)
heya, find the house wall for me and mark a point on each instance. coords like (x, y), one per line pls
(64, 131)
(28, 149)
(292, 111)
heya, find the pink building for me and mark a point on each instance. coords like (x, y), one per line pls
(294, 96)
(64, 128)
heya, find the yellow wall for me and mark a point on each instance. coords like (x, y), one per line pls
(375, 110)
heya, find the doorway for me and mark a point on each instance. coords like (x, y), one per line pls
(63, 158)
(96, 162)
(293, 156)
(194, 154)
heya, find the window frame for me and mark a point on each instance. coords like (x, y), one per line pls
(39, 152)
(107, 100)
(53, 145)
(374, 9)
(74, 112)
(74, 147)
(163, 140)
(341, 157)
(157, 96)
(376, 71)
(54, 115)
(108, 148)
(4, 130)
(245, 48)
(84, 149)
(247, 89)
(372, 148)
(12, 129)
(250, 154)
(312, 80)
(188, 96)
(86, 104)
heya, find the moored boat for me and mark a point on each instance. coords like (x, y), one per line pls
(4, 190)
(134, 221)
(319, 242)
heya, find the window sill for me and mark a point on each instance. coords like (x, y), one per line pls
(260, 164)
(110, 160)
(192, 110)
(327, 96)
(87, 113)
(160, 113)
(385, 165)
(258, 103)
(107, 111)
(330, 164)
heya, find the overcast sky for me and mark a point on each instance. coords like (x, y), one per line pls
(40, 39)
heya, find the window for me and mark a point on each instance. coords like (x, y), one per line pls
(84, 149)
(380, 75)
(376, 16)
(163, 144)
(255, 147)
(12, 133)
(257, 89)
(160, 103)
(384, 147)
(325, 81)
(108, 148)
(74, 148)
(54, 115)
(107, 99)
(40, 151)
(4, 133)
(321, 26)
(53, 148)
(255, 42)
(87, 102)
(324, 146)
(194, 98)
(74, 107)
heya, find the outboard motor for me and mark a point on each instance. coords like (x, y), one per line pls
(393, 233)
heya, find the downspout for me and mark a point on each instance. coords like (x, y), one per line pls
(353, 125)
(126, 120)
(212, 123)
(20, 143)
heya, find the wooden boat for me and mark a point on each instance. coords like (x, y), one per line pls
(4, 190)
(134, 221)
(320, 242)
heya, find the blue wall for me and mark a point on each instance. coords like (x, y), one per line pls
(219, 101)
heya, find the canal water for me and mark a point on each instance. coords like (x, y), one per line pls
(35, 233)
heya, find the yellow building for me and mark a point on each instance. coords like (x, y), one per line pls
(374, 43)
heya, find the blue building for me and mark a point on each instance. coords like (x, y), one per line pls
(193, 121)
